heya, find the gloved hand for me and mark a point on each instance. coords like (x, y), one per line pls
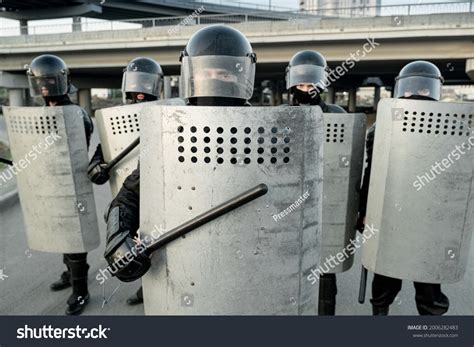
(128, 260)
(98, 174)
(360, 226)
(97, 171)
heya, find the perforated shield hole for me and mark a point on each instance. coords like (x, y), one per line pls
(436, 123)
(34, 125)
(233, 145)
(126, 124)
(335, 132)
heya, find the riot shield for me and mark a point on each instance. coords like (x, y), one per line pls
(48, 146)
(118, 127)
(343, 161)
(420, 193)
(256, 259)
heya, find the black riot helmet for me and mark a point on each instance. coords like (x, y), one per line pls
(218, 65)
(142, 76)
(306, 67)
(419, 80)
(48, 76)
(310, 68)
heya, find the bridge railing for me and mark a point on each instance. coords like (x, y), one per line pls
(399, 9)
(461, 6)
(261, 5)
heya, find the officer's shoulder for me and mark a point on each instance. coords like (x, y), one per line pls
(333, 108)
(83, 111)
(371, 130)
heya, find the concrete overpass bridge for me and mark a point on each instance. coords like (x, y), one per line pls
(96, 58)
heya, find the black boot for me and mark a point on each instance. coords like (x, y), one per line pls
(384, 291)
(63, 283)
(76, 304)
(327, 295)
(136, 298)
(430, 300)
(379, 310)
(80, 294)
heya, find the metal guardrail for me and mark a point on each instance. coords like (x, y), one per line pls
(460, 6)
(464, 6)
(267, 4)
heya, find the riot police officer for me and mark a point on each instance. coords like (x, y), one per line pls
(142, 82)
(306, 75)
(417, 80)
(217, 69)
(48, 77)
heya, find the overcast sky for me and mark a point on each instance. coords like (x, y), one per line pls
(6, 23)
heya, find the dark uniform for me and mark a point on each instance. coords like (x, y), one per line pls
(309, 68)
(48, 76)
(142, 82)
(209, 78)
(417, 80)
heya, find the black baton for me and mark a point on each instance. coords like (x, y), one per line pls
(122, 154)
(6, 161)
(208, 216)
(203, 218)
(363, 284)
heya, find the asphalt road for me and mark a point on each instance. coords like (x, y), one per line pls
(26, 289)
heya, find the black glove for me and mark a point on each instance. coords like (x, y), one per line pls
(6, 161)
(360, 226)
(128, 260)
(97, 172)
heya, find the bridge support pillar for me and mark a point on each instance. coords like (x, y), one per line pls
(17, 85)
(76, 24)
(331, 95)
(84, 98)
(167, 87)
(276, 95)
(16, 97)
(352, 99)
(23, 27)
(376, 97)
(470, 68)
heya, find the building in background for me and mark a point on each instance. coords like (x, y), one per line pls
(341, 8)
(370, 8)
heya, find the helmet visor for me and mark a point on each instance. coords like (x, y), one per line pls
(141, 82)
(306, 74)
(47, 86)
(418, 86)
(218, 76)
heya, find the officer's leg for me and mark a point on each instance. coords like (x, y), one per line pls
(384, 291)
(430, 300)
(136, 298)
(327, 295)
(65, 279)
(77, 263)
